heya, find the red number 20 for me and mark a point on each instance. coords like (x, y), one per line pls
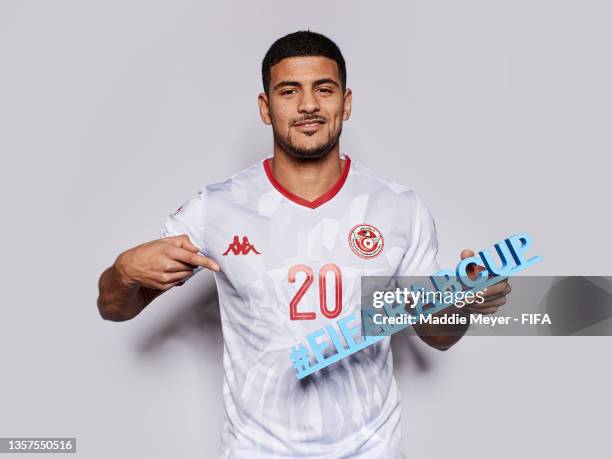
(294, 314)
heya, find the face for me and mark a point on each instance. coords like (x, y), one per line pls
(306, 106)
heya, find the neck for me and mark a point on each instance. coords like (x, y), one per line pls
(309, 178)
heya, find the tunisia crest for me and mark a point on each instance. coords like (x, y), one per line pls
(365, 240)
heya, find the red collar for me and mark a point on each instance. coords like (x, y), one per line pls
(333, 191)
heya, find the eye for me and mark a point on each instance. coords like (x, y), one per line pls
(325, 90)
(287, 92)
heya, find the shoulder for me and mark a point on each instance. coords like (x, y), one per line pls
(404, 208)
(212, 202)
(239, 186)
(235, 189)
(403, 197)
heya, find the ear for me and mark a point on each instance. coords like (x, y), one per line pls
(264, 108)
(348, 101)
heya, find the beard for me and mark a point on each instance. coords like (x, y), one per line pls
(315, 152)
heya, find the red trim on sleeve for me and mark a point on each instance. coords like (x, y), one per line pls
(329, 194)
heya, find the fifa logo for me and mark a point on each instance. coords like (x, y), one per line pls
(241, 248)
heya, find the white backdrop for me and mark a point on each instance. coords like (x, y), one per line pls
(114, 113)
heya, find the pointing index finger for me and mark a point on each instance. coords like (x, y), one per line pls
(194, 259)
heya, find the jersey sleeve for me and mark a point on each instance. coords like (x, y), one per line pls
(420, 257)
(188, 219)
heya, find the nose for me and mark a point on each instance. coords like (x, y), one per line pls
(308, 103)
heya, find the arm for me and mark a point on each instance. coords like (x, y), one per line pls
(443, 337)
(141, 274)
(420, 259)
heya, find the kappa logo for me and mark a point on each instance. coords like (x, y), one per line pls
(366, 240)
(241, 248)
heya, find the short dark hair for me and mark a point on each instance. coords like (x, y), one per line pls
(298, 44)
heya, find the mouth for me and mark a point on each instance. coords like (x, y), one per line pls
(309, 126)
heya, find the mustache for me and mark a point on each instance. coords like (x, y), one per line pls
(308, 118)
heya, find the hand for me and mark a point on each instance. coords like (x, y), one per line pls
(161, 264)
(494, 295)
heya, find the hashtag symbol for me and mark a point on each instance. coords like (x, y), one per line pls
(300, 358)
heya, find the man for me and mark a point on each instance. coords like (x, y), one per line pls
(288, 239)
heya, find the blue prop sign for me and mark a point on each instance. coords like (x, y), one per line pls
(512, 257)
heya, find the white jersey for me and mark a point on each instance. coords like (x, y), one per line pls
(289, 267)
